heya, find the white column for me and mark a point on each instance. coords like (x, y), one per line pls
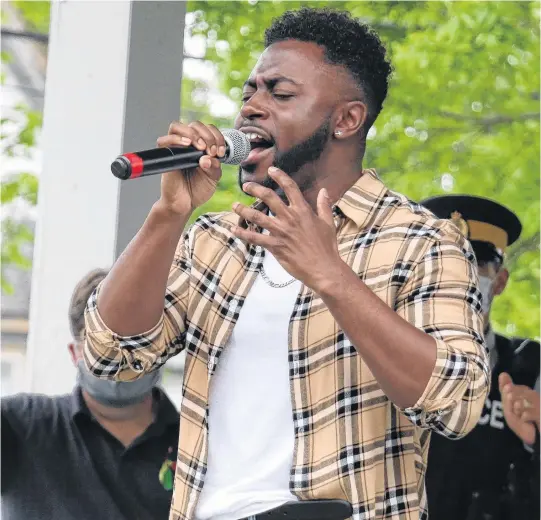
(113, 85)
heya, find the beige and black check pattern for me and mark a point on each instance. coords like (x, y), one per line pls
(350, 441)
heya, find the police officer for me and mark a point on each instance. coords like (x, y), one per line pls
(488, 474)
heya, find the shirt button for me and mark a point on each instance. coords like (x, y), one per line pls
(137, 365)
(440, 412)
(301, 429)
(209, 365)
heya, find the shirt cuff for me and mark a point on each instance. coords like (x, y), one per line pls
(109, 353)
(454, 396)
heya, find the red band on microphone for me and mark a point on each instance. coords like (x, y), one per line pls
(136, 164)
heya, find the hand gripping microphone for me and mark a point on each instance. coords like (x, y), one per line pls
(161, 160)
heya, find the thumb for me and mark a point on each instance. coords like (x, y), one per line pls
(324, 207)
(503, 380)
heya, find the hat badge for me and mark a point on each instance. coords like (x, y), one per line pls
(460, 223)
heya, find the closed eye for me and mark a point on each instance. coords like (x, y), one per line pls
(246, 97)
(283, 96)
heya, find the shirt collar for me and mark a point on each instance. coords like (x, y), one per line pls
(358, 203)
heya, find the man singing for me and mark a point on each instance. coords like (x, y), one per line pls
(328, 329)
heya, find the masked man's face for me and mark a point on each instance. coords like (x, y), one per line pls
(492, 281)
(114, 394)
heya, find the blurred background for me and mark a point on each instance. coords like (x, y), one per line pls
(462, 117)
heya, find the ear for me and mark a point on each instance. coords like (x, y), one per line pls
(351, 118)
(500, 282)
(75, 353)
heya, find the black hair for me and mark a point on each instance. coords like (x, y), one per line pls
(84, 288)
(347, 42)
(487, 253)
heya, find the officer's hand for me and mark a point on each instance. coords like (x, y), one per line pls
(520, 408)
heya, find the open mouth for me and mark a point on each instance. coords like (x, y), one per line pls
(259, 147)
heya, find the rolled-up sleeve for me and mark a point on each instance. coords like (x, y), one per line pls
(111, 356)
(442, 299)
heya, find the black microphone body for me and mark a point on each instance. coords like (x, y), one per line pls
(160, 160)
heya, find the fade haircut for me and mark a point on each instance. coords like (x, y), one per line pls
(81, 294)
(347, 42)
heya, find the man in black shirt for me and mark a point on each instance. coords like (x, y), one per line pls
(106, 451)
(487, 475)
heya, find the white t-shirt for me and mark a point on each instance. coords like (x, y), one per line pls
(251, 432)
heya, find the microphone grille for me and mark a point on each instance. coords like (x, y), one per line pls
(238, 146)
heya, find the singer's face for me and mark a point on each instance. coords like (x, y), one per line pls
(287, 107)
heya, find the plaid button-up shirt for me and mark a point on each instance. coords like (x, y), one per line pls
(351, 442)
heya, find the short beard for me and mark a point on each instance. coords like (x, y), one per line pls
(292, 160)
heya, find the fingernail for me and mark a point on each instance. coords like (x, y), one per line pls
(326, 193)
(273, 169)
(213, 150)
(205, 162)
(221, 151)
(185, 141)
(235, 205)
(200, 142)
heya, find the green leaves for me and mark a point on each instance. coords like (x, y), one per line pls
(36, 14)
(15, 236)
(462, 114)
(18, 130)
(6, 57)
(27, 122)
(23, 185)
(33, 123)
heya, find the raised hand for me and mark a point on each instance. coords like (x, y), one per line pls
(304, 242)
(520, 408)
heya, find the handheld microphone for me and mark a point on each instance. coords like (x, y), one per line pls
(161, 160)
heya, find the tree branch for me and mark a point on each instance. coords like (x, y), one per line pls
(44, 38)
(31, 35)
(529, 244)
